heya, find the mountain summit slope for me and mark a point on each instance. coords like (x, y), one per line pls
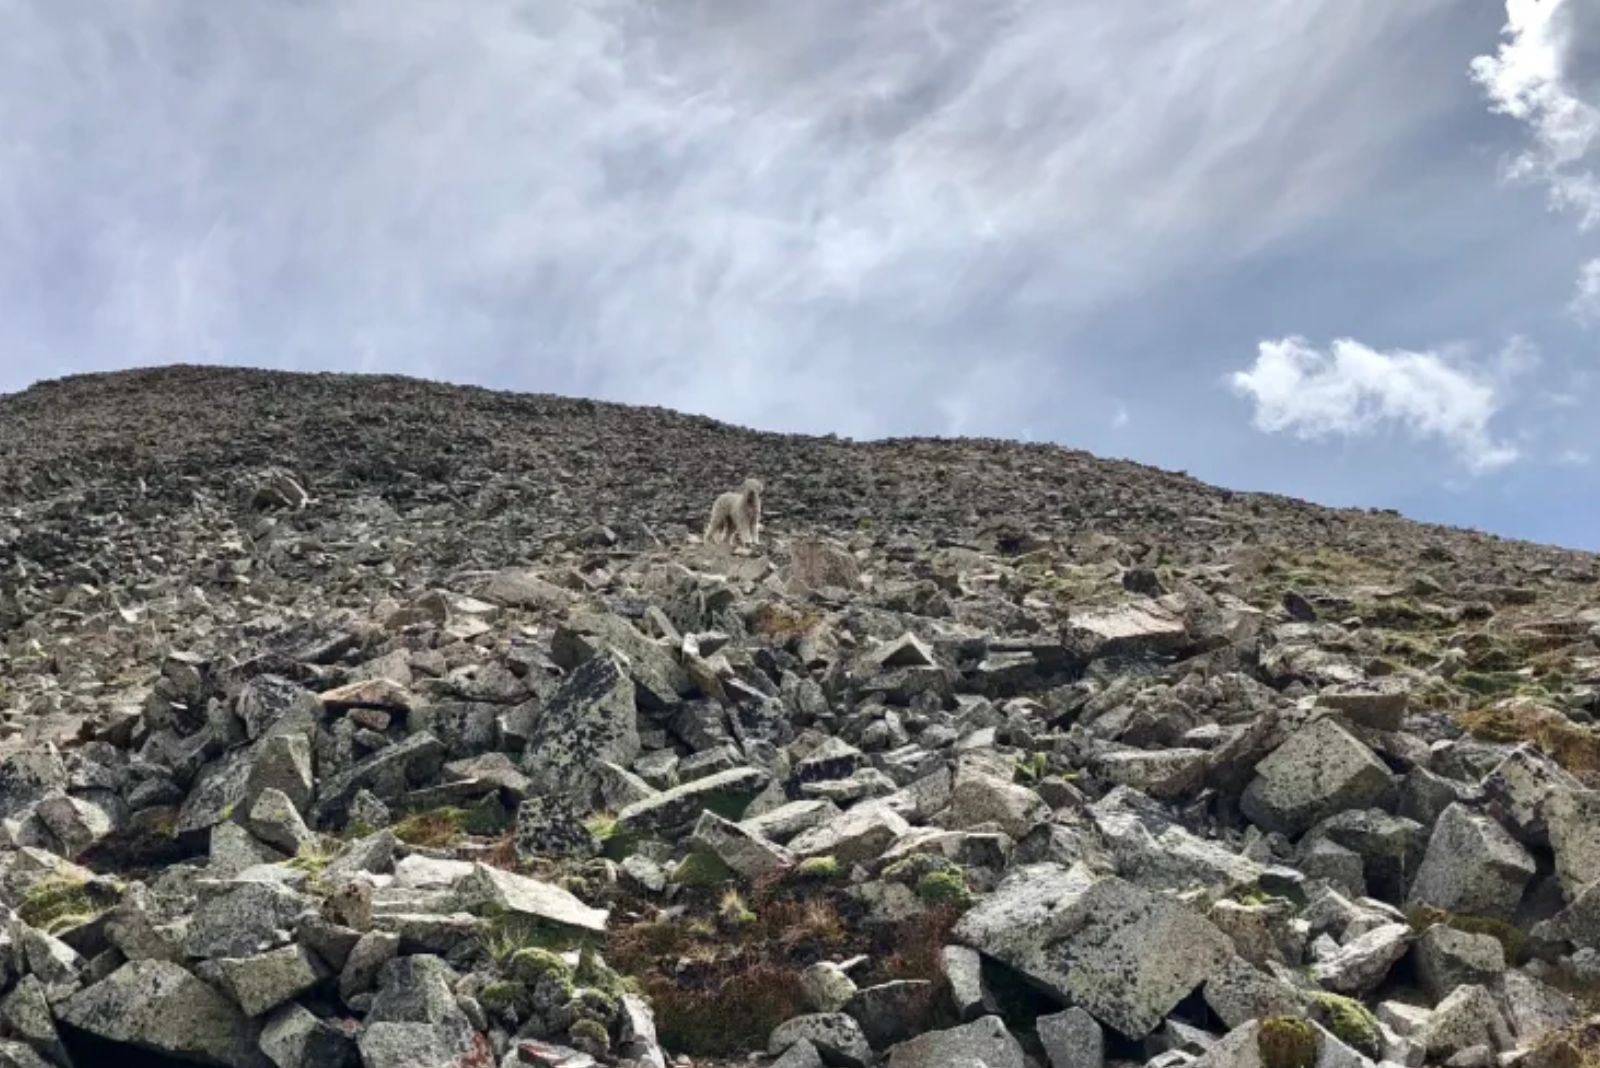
(368, 720)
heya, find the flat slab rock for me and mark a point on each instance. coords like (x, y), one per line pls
(1126, 955)
(159, 1006)
(984, 1041)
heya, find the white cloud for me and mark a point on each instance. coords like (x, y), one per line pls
(1574, 458)
(1119, 416)
(1353, 390)
(1537, 76)
(1585, 306)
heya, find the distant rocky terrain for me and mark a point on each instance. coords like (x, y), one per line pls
(353, 721)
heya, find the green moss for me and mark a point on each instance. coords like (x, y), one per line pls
(505, 998)
(948, 887)
(824, 867)
(701, 869)
(58, 904)
(485, 819)
(506, 935)
(1490, 683)
(531, 967)
(1350, 1023)
(591, 1036)
(1287, 1042)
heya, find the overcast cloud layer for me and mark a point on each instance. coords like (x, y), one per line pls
(1343, 249)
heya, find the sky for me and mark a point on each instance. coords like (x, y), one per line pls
(1347, 250)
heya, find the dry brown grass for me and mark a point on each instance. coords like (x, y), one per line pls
(780, 622)
(1574, 747)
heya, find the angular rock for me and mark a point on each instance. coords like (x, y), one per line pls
(1573, 821)
(984, 1041)
(657, 679)
(496, 892)
(387, 773)
(551, 826)
(1472, 866)
(1320, 770)
(1138, 628)
(1359, 966)
(963, 974)
(826, 987)
(893, 1012)
(1468, 1017)
(979, 799)
(748, 854)
(1072, 1039)
(158, 1006)
(282, 762)
(275, 820)
(1448, 958)
(1238, 993)
(267, 980)
(835, 1036)
(591, 718)
(361, 969)
(294, 1038)
(681, 806)
(241, 919)
(1124, 954)
(858, 835)
(1168, 774)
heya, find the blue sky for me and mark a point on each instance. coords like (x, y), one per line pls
(1343, 249)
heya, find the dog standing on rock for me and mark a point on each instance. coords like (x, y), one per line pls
(736, 516)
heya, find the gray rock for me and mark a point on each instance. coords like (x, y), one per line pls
(294, 1038)
(552, 826)
(747, 853)
(1154, 851)
(983, 1042)
(963, 974)
(1472, 866)
(858, 835)
(25, 1014)
(658, 680)
(1519, 788)
(241, 919)
(367, 959)
(386, 774)
(1533, 1009)
(817, 565)
(1167, 774)
(1360, 965)
(1467, 1017)
(21, 1055)
(680, 806)
(1391, 848)
(1320, 770)
(493, 891)
(893, 1012)
(28, 777)
(1573, 821)
(234, 849)
(1125, 954)
(158, 1006)
(267, 980)
(268, 704)
(800, 1055)
(785, 822)
(415, 1045)
(591, 718)
(1447, 958)
(1134, 629)
(275, 820)
(282, 762)
(985, 799)
(1238, 992)
(837, 1038)
(1072, 1039)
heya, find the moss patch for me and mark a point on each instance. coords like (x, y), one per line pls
(1350, 1023)
(1287, 1042)
(825, 867)
(1574, 747)
(702, 869)
(948, 887)
(59, 904)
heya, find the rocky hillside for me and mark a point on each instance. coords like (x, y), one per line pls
(366, 721)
